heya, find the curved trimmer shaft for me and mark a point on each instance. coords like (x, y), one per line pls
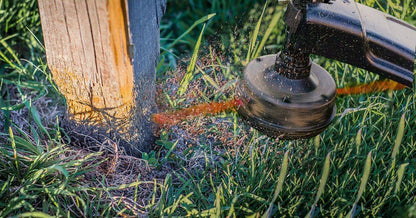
(288, 96)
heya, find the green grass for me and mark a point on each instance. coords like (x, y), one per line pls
(363, 164)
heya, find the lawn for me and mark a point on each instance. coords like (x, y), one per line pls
(363, 164)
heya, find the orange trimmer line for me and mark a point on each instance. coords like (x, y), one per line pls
(172, 118)
(377, 86)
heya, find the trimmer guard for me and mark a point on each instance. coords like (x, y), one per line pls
(362, 36)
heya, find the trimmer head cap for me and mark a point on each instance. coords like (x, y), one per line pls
(283, 107)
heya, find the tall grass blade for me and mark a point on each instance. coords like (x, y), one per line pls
(400, 174)
(12, 107)
(317, 143)
(16, 160)
(399, 137)
(36, 117)
(218, 202)
(36, 214)
(366, 174)
(26, 145)
(181, 200)
(170, 151)
(12, 53)
(201, 20)
(164, 194)
(279, 187)
(252, 44)
(4, 39)
(363, 184)
(358, 140)
(322, 183)
(191, 68)
(269, 30)
(36, 38)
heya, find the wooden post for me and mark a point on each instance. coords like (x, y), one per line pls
(102, 55)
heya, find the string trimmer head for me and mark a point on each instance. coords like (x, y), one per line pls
(287, 96)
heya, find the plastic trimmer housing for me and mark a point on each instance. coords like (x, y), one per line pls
(287, 96)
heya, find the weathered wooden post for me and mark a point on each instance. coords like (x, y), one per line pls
(102, 55)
